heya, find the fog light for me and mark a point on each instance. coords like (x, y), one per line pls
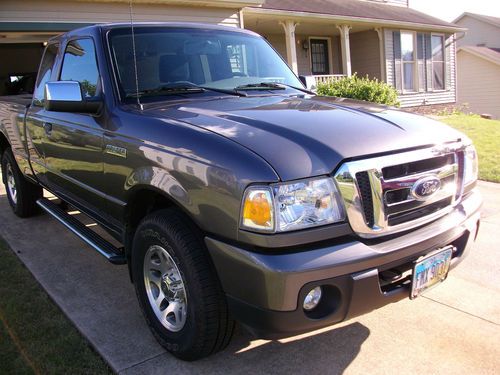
(312, 299)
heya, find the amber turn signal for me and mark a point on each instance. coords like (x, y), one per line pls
(258, 209)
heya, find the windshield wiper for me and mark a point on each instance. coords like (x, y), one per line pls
(262, 86)
(182, 89)
(225, 91)
(299, 89)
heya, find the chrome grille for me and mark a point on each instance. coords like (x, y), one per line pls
(380, 194)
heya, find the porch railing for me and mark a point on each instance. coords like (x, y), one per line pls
(312, 81)
(328, 78)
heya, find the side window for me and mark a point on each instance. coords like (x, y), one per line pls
(80, 65)
(45, 71)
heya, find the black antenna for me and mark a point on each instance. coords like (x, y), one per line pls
(135, 57)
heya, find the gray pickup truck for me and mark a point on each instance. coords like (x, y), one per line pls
(236, 194)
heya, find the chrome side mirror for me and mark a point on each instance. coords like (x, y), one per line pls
(66, 96)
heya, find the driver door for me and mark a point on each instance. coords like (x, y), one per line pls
(73, 142)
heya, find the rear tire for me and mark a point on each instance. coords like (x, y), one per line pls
(21, 194)
(172, 271)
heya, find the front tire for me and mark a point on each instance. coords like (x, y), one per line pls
(21, 194)
(177, 287)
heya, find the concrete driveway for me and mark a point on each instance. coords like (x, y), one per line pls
(453, 329)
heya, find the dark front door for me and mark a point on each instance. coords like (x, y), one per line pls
(319, 57)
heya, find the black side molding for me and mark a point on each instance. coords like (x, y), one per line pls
(109, 251)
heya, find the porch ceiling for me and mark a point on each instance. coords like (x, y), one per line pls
(270, 24)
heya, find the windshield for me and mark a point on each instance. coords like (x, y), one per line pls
(216, 59)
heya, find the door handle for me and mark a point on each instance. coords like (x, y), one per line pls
(47, 126)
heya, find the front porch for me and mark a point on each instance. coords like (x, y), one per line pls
(323, 50)
(409, 50)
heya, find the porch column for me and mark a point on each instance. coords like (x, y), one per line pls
(346, 49)
(380, 33)
(291, 51)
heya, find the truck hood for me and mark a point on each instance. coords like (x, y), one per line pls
(308, 135)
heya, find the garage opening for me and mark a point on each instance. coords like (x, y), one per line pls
(19, 67)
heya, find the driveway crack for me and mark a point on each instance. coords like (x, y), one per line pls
(141, 362)
(462, 311)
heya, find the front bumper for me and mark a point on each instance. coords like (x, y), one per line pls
(265, 290)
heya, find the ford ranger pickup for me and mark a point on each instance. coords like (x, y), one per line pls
(235, 193)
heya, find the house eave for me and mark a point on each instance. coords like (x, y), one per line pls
(199, 3)
(346, 19)
(476, 17)
(481, 56)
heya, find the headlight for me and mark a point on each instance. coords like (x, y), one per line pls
(470, 165)
(292, 206)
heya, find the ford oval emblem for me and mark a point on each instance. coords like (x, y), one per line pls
(425, 187)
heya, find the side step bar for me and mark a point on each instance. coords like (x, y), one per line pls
(103, 247)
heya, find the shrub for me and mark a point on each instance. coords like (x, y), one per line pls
(361, 88)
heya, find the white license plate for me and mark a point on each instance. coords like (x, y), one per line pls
(430, 270)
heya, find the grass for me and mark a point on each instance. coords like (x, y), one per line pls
(35, 336)
(486, 137)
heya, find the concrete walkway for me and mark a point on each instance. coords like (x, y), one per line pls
(454, 329)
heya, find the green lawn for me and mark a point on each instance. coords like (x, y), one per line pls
(486, 137)
(35, 336)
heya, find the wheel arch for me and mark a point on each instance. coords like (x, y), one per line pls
(4, 142)
(142, 201)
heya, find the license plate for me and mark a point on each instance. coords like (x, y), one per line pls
(430, 270)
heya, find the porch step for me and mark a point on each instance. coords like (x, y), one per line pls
(109, 251)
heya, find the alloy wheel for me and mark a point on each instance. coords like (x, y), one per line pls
(165, 288)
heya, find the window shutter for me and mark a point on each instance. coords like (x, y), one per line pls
(422, 81)
(428, 61)
(447, 58)
(396, 41)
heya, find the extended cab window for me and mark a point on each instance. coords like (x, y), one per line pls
(45, 72)
(80, 65)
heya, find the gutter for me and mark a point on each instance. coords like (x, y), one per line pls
(361, 20)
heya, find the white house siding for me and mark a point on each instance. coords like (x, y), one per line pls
(98, 12)
(479, 33)
(478, 84)
(424, 98)
(365, 53)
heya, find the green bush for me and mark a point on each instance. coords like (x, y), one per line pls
(361, 88)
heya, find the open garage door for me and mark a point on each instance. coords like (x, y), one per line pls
(21, 49)
(18, 67)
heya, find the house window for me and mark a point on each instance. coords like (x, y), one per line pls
(420, 61)
(319, 57)
(438, 63)
(408, 60)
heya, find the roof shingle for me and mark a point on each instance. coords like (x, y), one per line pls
(492, 54)
(358, 9)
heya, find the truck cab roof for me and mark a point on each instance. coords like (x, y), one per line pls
(103, 27)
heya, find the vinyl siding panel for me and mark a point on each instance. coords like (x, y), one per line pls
(63, 11)
(365, 54)
(479, 33)
(478, 84)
